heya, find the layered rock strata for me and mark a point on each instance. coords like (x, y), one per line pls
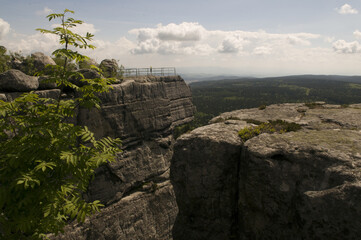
(296, 185)
(139, 199)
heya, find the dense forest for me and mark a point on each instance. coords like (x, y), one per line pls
(214, 97)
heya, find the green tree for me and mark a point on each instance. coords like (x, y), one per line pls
(60, 61)
(46, 161)
(4, 59)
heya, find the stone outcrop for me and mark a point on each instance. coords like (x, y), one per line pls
(110, 67)
(41, 60)
(136, 191)
(141, 215)
(295, 185)
(139, 199)
(17, 81)
(87, 74)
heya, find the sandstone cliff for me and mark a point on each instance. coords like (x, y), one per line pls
(140, 202)
(295, 185)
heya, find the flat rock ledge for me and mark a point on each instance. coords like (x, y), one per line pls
(296, 185)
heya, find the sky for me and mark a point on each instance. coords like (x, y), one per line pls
(228, 37)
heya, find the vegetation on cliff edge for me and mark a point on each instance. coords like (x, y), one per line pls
(46, 161)
(279, 126)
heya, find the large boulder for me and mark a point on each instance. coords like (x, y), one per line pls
(110, 67)
(41, 60)
(86, 64)
(296, 185)
(17, 81)
(87, 73)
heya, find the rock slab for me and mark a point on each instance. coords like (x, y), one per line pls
(17, 81)
(296, 185)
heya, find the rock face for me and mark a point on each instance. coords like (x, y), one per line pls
(87, 73)
(136, 191)
(141, 215)
(296, 185)
(17, 81)
(41, 60)
(139, 199)
(110, 67)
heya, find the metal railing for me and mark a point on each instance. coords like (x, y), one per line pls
(166, 71)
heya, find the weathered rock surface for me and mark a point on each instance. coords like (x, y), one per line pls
(17, 81)
(139, 199)
(110, 67)
(141, 215)
(41, 60)
(87, 73)
(136, 111)
(296, 185)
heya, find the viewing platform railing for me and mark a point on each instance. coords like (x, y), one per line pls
(166, 71)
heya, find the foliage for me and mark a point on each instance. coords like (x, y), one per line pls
(61, 60)
(219, 120)
(4, 60)
(253, 121)
(271, 126)
(87, 64)
(45, 164)
(23, 63)
(313, 105)
(200, 119)
(283, 126)
(47, 161)
(250, 132)
(262, 107)
(179, 130)
(215, 97)
(233, 118)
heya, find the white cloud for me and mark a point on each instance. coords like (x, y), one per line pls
(329, 39)
(106, 49)
(183, 38)
(4, 28)
(262, 50)
(347, 9)
(186, 31)
(190, 45)
(46, 43)
(233, 43)
(357, 34)
(37, 42)
(193, 38)
(44, 12)
(341, 46)
(82, 29)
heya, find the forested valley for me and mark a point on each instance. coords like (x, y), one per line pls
(214, 97)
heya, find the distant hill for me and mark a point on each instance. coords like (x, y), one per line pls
(190, 78)
(216, 96)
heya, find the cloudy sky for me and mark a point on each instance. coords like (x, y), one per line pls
(243, 37)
